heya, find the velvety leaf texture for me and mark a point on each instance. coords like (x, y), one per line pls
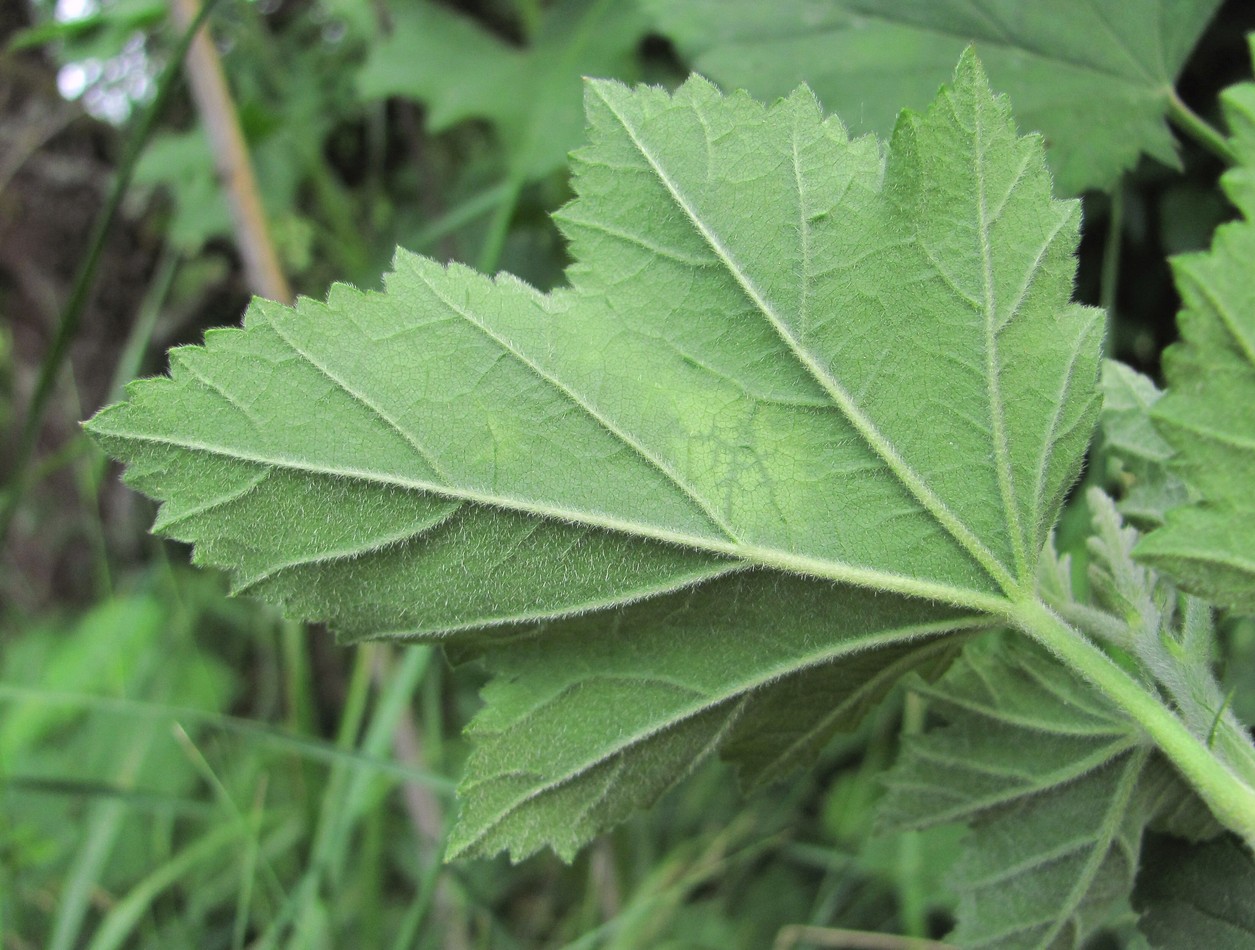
(776, 390)
(661, 684)
(1206, 413)
(1056, 786)
(866, 59)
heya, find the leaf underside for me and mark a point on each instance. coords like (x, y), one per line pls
(660, 684)
(1056, 785)
(834, 385)
(1206, 413)
(866, 59)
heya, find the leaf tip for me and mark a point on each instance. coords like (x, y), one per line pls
(601, 90)
(971, 81)
(969, 68)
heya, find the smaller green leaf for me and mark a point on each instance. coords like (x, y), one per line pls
(1206, 414)
(1136, 451)
(1056, 785)
(592, 717)
(1197, 895)
(1173, 636)
(183, 162)
(532, 95)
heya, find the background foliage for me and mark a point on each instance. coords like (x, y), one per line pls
(184, 770)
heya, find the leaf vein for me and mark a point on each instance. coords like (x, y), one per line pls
(862, 424)
(735, 693)
(993, 367)
(622, 435)
(839, 571)
(363, 400)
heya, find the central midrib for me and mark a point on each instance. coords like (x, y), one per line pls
(758, 555)
(1002, 451)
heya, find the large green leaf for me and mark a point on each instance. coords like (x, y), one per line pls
(1206, 413)
(791, 367)
(1094, 78)
(531, 95)
(1057, 786)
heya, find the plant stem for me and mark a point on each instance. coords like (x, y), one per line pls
(912, 896)
(1111, 254)
(1199, 129)
(1231, 800)
(231, 159)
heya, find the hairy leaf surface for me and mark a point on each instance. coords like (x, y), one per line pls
(1206, 413)
(658, 686)
(866, 59)
(838, 385)
(1056, 785)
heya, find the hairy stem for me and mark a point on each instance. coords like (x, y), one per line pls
(1199, 129)
(1231, 799)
